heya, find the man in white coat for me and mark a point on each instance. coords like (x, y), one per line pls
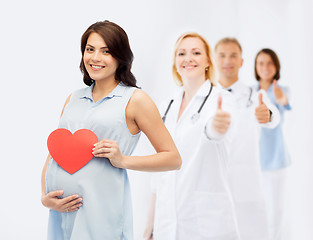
(254, 110)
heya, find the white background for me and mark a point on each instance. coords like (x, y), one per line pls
(40, 56)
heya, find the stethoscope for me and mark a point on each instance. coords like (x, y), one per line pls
(196, 115)
(249, 102)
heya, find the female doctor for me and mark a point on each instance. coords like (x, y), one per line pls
(194, 202)
(274, 156)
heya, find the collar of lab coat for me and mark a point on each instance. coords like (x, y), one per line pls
(201, 92)
(238, 88)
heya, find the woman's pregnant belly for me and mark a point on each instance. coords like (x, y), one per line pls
(97, 175)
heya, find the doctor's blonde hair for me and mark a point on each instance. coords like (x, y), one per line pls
(209, 72)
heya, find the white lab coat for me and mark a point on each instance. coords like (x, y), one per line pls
(244, 173)
(194, 202)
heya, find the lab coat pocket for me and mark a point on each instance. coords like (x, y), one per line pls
(215, 219)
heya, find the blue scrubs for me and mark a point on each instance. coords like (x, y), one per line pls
(273, 152)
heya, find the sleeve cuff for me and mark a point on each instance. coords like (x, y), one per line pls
(210, 132)
(287, 107)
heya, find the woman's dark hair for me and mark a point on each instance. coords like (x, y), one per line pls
(275, 60)
(117, 41)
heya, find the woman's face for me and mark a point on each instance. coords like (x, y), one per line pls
(191, 58)
(265, 67)
(98, 61)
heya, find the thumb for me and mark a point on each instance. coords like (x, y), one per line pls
(56, 193)
(219, 102)
(261, 98)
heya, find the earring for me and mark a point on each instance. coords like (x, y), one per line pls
(206, 69)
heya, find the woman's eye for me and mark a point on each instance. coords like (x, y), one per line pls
(197, 53)
(106, 52)
(181, 54)
(89, 49)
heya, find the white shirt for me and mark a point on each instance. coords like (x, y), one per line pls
(244, 173)
(194, 202)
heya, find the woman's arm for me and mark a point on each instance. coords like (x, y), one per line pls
(143, 115)
(148, 234)
(51, 200)
(43, 176)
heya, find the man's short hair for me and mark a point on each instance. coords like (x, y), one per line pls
(228, 40)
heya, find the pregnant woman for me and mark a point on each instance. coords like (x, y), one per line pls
(94, 203)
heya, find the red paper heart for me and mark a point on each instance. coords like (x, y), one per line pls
(71, 151)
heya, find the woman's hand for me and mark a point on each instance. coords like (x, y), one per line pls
(67, 204)
(280, 96)
(221, 120)
(148, 234)
(109, 149)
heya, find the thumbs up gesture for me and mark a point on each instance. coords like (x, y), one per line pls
(221, 120)
(262, 113)
(280, 96)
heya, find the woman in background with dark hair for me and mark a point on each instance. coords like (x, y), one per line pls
(94, 203)
(273, 155)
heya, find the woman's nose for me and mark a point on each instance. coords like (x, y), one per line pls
(96, 56)
(188, 58)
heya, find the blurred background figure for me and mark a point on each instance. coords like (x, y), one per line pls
(253, 112)
(273, 155)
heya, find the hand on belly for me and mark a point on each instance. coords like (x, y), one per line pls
(66, 204)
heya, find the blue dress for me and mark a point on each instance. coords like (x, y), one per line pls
(273, 152)
(106, 212)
